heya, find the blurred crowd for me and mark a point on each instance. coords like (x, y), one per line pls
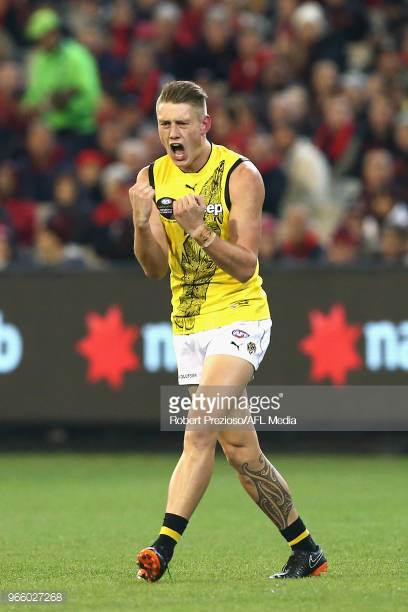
(314, 93)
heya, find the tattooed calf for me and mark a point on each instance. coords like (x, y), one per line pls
(273, 498)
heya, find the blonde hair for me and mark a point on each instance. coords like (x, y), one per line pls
(184, 92)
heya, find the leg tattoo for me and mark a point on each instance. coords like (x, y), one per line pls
(273, 498)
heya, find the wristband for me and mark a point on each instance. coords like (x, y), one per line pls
(204, 236)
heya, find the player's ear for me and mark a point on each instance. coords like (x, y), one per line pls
(205, 125)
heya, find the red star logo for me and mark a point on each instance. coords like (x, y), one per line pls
(331, 345)
(108, 347)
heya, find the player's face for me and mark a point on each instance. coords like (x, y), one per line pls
(182, 130)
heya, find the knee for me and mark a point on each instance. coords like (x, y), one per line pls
(199, 442)
(236, 454)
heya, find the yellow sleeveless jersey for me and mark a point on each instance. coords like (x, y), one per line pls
(203, 295)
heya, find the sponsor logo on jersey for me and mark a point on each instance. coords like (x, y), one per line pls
(213, 209)
(165, 207)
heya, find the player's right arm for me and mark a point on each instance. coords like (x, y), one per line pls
(150, 245)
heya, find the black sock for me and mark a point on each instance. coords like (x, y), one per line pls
(170, 533)
(298, 537)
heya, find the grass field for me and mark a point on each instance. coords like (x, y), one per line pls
(73, 523)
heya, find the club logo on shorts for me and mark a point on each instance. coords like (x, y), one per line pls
(165, 207)
(251, 347)
(239, 333)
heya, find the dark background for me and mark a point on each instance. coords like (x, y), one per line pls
(49, 391)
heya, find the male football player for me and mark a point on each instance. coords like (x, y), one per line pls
(197, 210)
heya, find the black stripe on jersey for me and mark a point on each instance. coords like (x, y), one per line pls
(227, 193)
(151, 175)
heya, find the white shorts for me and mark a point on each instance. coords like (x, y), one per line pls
(246, 339)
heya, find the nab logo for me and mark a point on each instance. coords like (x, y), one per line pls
(109, 347)
(331, 345)
(11, 347)
(386, 345)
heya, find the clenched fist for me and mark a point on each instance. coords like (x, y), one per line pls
(189, 212)
(142, 201)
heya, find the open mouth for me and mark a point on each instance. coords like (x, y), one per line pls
(178, 151)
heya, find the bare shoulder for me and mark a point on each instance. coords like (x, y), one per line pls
(246, 182)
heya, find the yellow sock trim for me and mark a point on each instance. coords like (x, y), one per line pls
(300, 537)
(171, 533)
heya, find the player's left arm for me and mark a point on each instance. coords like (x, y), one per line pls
(238, 256)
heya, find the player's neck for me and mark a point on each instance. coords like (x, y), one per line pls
(202, 158)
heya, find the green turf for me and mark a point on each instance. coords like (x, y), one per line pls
(74, 523)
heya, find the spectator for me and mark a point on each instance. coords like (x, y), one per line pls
(89, 165)
(343, 249)
(385, 211)
(298, 242)
(226, 130)
(71, 210)
(11, 123)
(110, 135)
(96, 38)
(275, 75)
(393, 247)
(19, 213)
(163, 37)
(134, 155)
(63, 86)
(314, 39)
(336, 136)
(121, 28)
(12, 15)
(260, 152)
(331, 71)
(215, 51)
(143, 79)
(378, 131)
(353, 86)
(291, 104)
(324, 81)
(52, 248)
(112, 236)
(40, 163)
(351, 225)
(378, 175)
(347, 18)
(246, 70)
(346, 244)
(307, 177)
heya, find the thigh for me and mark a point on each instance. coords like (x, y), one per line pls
(224, 380)
(226, 371)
